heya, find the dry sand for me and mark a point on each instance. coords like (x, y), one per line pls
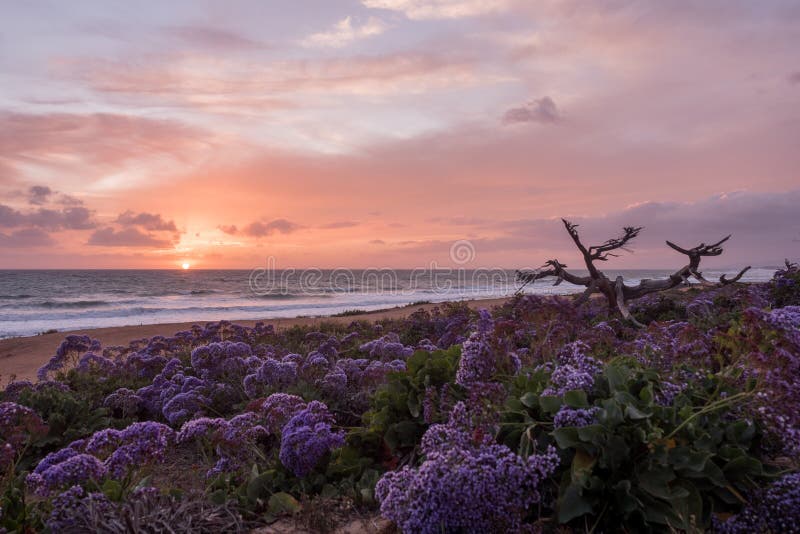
(22, 356)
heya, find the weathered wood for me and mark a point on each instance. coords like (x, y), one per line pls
(617, 293)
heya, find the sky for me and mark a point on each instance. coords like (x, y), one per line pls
(377, 133)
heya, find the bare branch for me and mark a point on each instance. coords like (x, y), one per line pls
(617, 293)
(619, 287)
(590, 289)
(603, 252)
(724, 280)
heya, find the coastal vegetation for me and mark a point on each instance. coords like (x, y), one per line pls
(534, 416)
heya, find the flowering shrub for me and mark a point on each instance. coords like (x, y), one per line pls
(234, 441)
(307, 438)
(775, 508)
(785, 286)
(20, 426)
(464, 485)
(536, 415)
(67, 354)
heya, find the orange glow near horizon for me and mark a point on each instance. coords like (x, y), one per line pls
(382, 141)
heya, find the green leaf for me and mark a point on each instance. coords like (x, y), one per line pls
(550, 404)
(591, 433)
(530, 400)
(576, 399)
(112, 489)
(646, 394)
(611, 414)
(566, 437)
(743, 466)
(413, 405)
(582, 465)
(260, 486)
(572, 504)
(656, 482)
(616, 377)
(632, 412)
(282, 503)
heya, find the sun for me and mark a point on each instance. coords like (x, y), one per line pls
(186, 266)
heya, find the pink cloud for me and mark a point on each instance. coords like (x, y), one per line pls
(70, 218)
(26, 238)
(127, 237)
(148, 221)
(262, 229)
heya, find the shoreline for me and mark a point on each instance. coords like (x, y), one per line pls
(21, 357)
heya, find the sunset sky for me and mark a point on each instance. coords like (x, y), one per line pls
(375, 133)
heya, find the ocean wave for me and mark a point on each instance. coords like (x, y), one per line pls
(78, 304)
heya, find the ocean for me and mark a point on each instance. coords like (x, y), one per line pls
(35, 301)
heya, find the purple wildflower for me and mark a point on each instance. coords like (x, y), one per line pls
(67, 353)
(775, 508)
(307, 438)
(387, 347)
(71, 507)
(463, 485)
(578, 417)
(76, 469)
(573, 370)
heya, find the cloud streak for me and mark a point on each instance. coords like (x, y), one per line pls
(127, 237)
(346, 32)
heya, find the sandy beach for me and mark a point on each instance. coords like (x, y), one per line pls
(21, 357)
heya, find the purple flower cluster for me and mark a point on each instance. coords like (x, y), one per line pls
(387, 347)
(71, 507)
(483, 356)
(772, 354)
(124, 402)
(108, 452)
(578, 417)
(464, 485)
(19, 425)
(94, 363)
(234, 441)
(775, 508)
(278, 408)
(179, 396)
(666, 344)
(307, 438)
(574, 369)
(132, 447)
(217, 361)
(67, 353)
(64, 468)
(271, 374)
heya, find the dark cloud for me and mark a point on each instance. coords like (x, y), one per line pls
(148, 221)
(67, 200)
(261, 229)
(794, 77)
(377, 242)
(127, 237)
(228, 229)
(540, 110)
(39, 194)
(340, 224)
(72, 218)
(27, 237)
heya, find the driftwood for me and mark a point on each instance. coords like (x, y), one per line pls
(616, 292)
